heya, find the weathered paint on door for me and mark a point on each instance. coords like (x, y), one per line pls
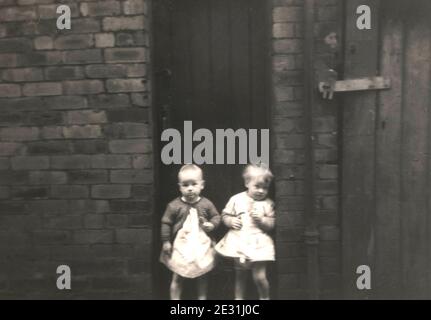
(386, 146)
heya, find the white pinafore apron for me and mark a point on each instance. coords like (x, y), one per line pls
(192, 253)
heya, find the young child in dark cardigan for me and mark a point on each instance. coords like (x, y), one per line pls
(188, 250)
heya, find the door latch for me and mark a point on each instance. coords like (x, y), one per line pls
(328, 84)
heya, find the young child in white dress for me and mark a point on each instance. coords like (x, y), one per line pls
(250, 216)
(188, 250)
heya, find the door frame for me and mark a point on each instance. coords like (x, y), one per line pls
(157, 129)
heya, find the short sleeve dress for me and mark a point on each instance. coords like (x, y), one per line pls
(250, 242)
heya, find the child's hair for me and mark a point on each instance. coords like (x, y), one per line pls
(257, 170)
(190, 167)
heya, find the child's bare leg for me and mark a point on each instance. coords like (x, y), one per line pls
(176, 287)
(202, 287)
(259, 277)
(240, 282)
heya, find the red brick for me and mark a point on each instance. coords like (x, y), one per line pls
(116, 220)
(135, 7)
(327, 140)
(90, 146)
(328, 171)
(131, 176)
(142, 161)
(110, 191)
(42, 89)
(30, 163)
(104, 40)
(51, 236)
(83, 87)
(86, 117)
(19, 134)
(17, 14)
(24, 74)
(327, 13)
(134, 236)
(9, 90)
(44, 118)
(324, 155)
(126, 55)
(85, 25)
(285, 125)
(290, 141)
(102, 8)
(43, 43)
(88, 176)
(126, 85)
(288, 46)
(69, 192)
(288, 14)
(105, 71)
(326, 187)
(50, 133)
(66, 222)
(283, 93)
(93, 236)
(128, 115)
(88, 206)
(48, 147)
(64, 73)
(142, 192)
(110, 161)
(131, 146)
(50, 11)
(15, 45)
(66, 102)
(8, 60)
(74, 41)
(71, 162)
(10, 148)
(94, 221)
(105, 101)
(47, 177)
(123, 23)
(42, 58)
(129, 130)
(137, 70)
(283, 30)
(29, 192)
(283, 63)
(84, 56)
(82, 132)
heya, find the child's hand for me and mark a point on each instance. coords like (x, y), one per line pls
(236, 223)
(167, 248)
(255, 216)
(207, 226)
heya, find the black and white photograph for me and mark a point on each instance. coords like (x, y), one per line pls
(215, 150)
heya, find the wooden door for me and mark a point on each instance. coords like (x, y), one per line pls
(211, 60)
(386, 153)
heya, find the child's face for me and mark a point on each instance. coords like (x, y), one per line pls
(191, 184)
(257, 188)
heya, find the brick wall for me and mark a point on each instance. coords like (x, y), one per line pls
(288, 156)
(75, 149)
(76, 178)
